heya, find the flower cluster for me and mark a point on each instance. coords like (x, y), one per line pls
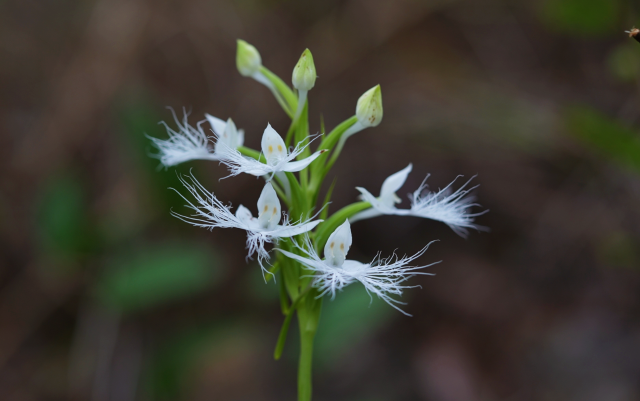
(223, 142)
(294, 175)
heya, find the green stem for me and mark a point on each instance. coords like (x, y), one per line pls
(288, 312)
(318, 168)
(308, 318)
(290, 131)
(252, 153)
(328, 226)
(304, 364)
(284, 95)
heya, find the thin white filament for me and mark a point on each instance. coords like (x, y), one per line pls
(185, 144)
(382, 277)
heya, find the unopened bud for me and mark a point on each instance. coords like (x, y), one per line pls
(304, 73)
(634, 33)
(248, 59)
(369, 107)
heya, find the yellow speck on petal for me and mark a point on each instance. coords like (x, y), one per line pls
(280, 148)
(275, 210)
(266, 207)
(342, 247)
(331, 246)
(270, 149)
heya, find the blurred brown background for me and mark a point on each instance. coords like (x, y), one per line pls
(104, 296)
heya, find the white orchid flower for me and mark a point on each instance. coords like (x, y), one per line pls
(211, 213)
(445, 205)
(192, 143)
(275, 152)
(382, 277)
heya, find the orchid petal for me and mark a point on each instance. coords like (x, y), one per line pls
(382, 277)
(278, 159)
(392, 184)
(445, 205)
(244, 215)
(292, 167)
(273, 146)
(210, 213)
(217, 124)
(314, 264)
(285, 232)
(268, 208)
(338, 244)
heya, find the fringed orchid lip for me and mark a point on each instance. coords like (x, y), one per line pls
(210, 213)
(445, 205)
(193, 143)
(382, 277)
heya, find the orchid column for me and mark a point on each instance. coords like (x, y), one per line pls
(294, 175)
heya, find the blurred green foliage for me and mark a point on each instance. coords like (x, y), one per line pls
(156, 275)
(266, 294)
(63, 221)
(624, 61)
(181, 357)
(139, 119)
(581, 17)
(349, 320)
(606, 135)
(619, 250)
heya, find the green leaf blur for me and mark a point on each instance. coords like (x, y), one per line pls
(347, 322)
(606, 135)
(581, 17)
(156, 275)
(62, 218)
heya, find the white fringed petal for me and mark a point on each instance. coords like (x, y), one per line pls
(382, 277)
(185, 144)
(210, 213)
(445, 205)
(192, 143)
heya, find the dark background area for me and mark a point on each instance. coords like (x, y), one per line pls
(105, 296)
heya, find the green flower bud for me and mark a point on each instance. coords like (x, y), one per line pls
(369, 107)
(304, 73)
(248, 59)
